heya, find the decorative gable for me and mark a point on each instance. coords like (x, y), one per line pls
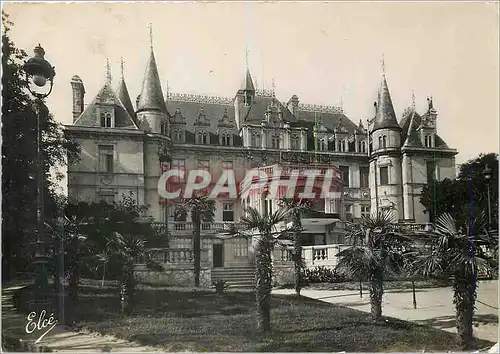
(225, 121)
(177, 117)
(202, 119)
(107, 111)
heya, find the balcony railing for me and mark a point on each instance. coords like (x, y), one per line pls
(213, 227)
(174, 256)
(313, 256)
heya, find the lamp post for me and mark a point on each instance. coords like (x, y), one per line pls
(38, 71)
(487, 173)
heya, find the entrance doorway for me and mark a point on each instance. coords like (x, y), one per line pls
(218, 255)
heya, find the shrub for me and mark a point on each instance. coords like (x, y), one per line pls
(321, 275)
(220, 286)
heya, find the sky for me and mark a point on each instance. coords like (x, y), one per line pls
(325, 53)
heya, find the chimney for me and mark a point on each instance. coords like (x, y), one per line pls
(78, 96)
(293, 105)
(137, 102)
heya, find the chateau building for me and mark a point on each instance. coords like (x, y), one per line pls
(125, 148)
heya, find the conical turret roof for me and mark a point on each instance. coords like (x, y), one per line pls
(124, 96)
(247, 84)
(385, 116)
(151, 97)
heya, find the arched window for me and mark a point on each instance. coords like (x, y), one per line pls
(226, 139)
(363, 146)
(380, 142)
(106, 120)
(322, 145)
(202, 138)
(384, 142)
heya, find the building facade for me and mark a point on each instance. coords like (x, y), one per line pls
(125, 149)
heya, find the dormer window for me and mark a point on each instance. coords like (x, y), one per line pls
(275, 141)
(106, 120)
(342, 146)
(256, 141)
(202, 138)
(226, 139)
(178, 135)
(428, 141)
(322, 145)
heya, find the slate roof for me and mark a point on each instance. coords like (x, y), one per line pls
(247, 84)
(151, 97)
(257, 110)
(189, 108)
(329, 119)
(409, 124)
(385, 116)
(89, 117)
(124, 96)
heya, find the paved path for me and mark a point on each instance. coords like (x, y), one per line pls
(434, 306)
(60, 339)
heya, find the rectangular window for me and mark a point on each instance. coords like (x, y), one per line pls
(107, 195)
(227, 165)
(384, 175)
(348, 212)
(106, 158)
(365, 211)
(431, 172)
(345, 175)
(364, 173)
(178, 164)
(204, 164)
(228, 212)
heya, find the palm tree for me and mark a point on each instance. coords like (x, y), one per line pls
(265, 235)
(377, 251)
(459, 253)
(202, 210)
(297, 206)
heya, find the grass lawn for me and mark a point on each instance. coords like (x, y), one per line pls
(190, 320)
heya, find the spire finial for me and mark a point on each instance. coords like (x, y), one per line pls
(383, 64)
(108, 72)
(413, 99)
(341, 103)
(151, 34)
(122, 68)
(246, 57)
(273, 87)
(168, 90)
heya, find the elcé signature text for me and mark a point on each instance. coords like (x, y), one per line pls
(39, 322)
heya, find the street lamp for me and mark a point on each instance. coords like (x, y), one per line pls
(38, 71)
(487, 174)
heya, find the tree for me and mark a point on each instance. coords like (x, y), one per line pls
(265, 234)
(377, 251)
(19, 160)
(456, 250)
(296, 207)
(202, 210)
(465, 193)
(123, 234)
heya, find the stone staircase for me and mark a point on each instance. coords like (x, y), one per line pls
(235, 277)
